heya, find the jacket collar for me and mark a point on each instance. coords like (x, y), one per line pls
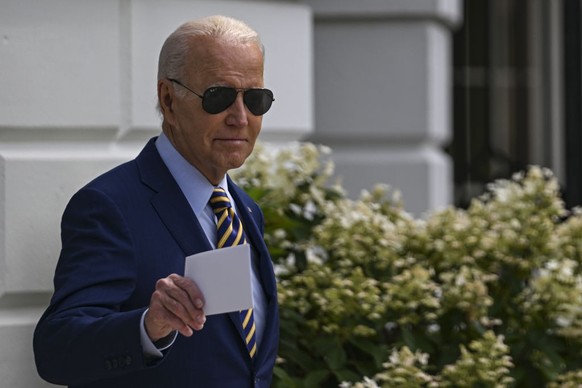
(170, 203)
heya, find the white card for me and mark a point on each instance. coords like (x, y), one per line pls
(224, 277)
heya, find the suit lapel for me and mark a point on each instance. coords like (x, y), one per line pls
(170, 203)
(180, 220)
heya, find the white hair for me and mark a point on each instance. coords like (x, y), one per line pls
(178, 45)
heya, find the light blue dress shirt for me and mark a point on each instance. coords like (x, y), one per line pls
(197, 190)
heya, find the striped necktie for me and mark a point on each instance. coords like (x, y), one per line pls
(231, 233)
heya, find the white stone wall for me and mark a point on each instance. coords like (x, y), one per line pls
(77, 96)
(383, 94)
(371, 78)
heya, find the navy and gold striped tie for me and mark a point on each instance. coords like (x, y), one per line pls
(231, 233)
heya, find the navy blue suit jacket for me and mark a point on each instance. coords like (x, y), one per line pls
(120, 234)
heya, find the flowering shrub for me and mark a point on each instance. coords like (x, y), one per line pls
(486, 296)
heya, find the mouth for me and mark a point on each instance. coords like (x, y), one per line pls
(232, 140)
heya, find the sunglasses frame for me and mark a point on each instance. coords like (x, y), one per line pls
(267, 92)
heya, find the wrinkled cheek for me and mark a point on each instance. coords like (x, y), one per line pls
(238, 158)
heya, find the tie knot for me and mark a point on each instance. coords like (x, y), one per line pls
(219, 200)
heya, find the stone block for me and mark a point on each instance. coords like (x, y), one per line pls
(59, 63)
(34, 190)
(381, 81)
(420, 174)
(16, 358)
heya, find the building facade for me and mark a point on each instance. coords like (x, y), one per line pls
(371, 79)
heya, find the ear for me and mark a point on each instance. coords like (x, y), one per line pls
(166, 97)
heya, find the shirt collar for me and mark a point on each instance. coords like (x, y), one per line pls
(193, 184)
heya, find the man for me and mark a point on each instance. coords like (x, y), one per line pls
(122, 314)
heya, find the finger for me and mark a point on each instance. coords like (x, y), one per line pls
(176, 294)
(188, 295)
(184, 311)
(159, 322)
(190, 288)
(166, 315)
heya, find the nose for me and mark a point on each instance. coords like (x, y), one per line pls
(237, 112)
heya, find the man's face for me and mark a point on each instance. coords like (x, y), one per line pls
(216, 143)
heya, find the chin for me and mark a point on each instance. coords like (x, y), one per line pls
(233, 163)
(237, 159)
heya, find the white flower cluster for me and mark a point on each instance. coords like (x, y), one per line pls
(435, 297)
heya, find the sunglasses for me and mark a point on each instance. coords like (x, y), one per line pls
(217, 99)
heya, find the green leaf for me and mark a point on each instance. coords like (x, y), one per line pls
(316, 378)
(346, 375)
(336, 358)
(332, 351)
(281, 379)
(408, 338)
(377, 351)
(297, 357)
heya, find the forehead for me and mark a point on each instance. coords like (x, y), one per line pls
(224, 60)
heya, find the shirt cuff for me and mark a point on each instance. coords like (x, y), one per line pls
(150, 348)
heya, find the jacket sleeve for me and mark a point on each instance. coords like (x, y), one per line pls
(87, 333)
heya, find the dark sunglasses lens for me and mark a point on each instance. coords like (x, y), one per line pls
(258, 100)
(217, 99)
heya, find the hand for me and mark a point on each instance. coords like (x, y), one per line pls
(176, 304)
